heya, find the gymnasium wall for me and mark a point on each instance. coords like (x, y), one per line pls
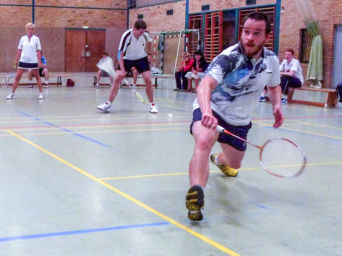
(157, 21)
(328, 14)
(51, 19)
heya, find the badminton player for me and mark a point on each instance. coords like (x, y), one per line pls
(133, 54)
(28, 58)
(226, 96)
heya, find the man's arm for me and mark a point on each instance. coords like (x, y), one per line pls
(121, 63)
(203, 97)
(39, 55)
(149, 47)
(275, 97)
(288, 73)
(17, 58)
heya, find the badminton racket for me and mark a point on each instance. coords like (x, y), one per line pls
(280, 157)
(137, 94)
(106, 64)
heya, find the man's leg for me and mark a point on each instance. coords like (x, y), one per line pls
(178, 81)
(205, 139)
(135, 76)
(148, 85)
(98, 77)
(184, 81)
(231, 158)
(199, 169)
(39, 83)
(120, 75)
(18, 76)
(30, 77)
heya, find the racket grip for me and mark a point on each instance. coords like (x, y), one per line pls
(219, 128)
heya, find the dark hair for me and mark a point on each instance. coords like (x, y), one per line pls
(202, 62)
(199, 52)
(140, 24)
(259, 16)
(290, 50)
(105, 53)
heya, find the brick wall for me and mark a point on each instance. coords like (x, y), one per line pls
(328, 14)
(51, 19)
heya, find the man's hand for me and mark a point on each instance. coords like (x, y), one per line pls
(278, 116)
(209, 121)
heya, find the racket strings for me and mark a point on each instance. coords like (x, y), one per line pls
(282, 158)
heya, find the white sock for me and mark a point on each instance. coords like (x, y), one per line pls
(108, 103)
(284, 96)
(47, 82)
(217, 161)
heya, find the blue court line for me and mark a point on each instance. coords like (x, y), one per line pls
(65, 130)
(82, 231)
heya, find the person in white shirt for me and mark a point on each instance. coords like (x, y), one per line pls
(291, 75)
(133, 54)
(28, 58)
(101, 73)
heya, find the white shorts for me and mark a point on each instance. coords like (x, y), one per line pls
(199, 75)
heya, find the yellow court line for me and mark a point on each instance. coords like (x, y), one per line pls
(128, 197)
(320, 125)
(313, 133)
(215, 171)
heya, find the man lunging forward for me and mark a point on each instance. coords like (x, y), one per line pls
(133, 54)
(226, 96)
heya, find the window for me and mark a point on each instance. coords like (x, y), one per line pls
(305, 45)
(205, 7)
(169, 12)
(250, 2)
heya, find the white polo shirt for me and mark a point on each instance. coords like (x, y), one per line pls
(29, 49)
(293, 65)
(132, 47)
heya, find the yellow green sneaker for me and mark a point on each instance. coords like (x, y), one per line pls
(228, 171)
(194, 202)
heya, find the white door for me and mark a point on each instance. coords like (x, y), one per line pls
(337, 64)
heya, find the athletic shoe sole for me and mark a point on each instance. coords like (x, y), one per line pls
(195, 203)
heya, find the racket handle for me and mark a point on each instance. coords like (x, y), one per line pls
(219, 128)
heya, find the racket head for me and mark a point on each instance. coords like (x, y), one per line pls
(106, 64)
(282, 158)
(140, 97)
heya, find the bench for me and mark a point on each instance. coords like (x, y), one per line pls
(330, 100)
(154, 77)
(58, 82)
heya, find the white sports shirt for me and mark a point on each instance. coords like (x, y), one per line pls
(133, 48)
(293, 65)
(29, 49)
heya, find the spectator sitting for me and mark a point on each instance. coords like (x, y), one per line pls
(197, 71)
(43, 72)
(291, 75)
(102, 73)
(185, 67)
(154, 70)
